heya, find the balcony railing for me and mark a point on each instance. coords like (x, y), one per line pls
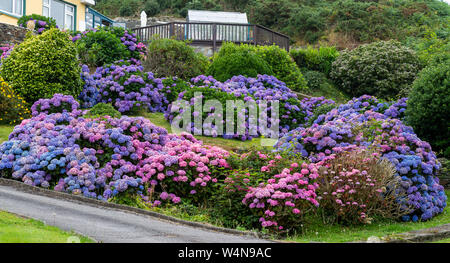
(214, 34)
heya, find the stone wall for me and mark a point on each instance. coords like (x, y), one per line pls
(10, 34)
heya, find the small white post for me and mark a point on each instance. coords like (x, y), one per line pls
(143, 19)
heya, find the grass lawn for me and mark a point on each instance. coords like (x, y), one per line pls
(336, 233)
(14, 229)
(4, 132)
(158, 119)
(443, 241)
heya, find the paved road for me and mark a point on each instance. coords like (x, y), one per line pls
(107, 225)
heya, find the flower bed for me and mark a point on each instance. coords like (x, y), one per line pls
(358, 123)
(100, 158)
(293, 112)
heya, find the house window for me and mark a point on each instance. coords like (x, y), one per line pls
(14, 7)
(89, 20)
(64, 14)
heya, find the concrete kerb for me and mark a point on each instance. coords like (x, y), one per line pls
(97, 203)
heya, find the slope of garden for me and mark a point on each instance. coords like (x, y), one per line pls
(94, 113)
(342, 23)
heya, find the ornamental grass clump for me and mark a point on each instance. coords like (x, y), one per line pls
(357, 187)
(13, 109)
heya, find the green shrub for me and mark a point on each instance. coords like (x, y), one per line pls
(382, 69)
(280, 63)
(151, 7)
(103, 109)
(271, 13)
(315, 79)
(101, 47)
(429, 106)
(169, 57)
(128, 7)
(315, 59)
(429, 46)
(309, 23)
(283, 66)
(13, 109)
(244, 63)
(42, 66)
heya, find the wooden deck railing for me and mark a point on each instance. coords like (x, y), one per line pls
(214, 34)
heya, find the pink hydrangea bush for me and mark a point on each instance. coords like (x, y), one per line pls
(248, 170)
(287, 196)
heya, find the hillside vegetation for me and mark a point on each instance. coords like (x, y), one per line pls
(341, 23)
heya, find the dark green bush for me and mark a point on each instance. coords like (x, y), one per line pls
(315, 79)
(283, 66)
(227, 202)
(151, 7)
(244, 63)
(101, 47)
(103, 109)
(169, 57)
(308, 22)
(280, 63)
(429, 106)
(319, 59)
(128, 7)
(383, 69)
(42, 66)
(271, 13)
